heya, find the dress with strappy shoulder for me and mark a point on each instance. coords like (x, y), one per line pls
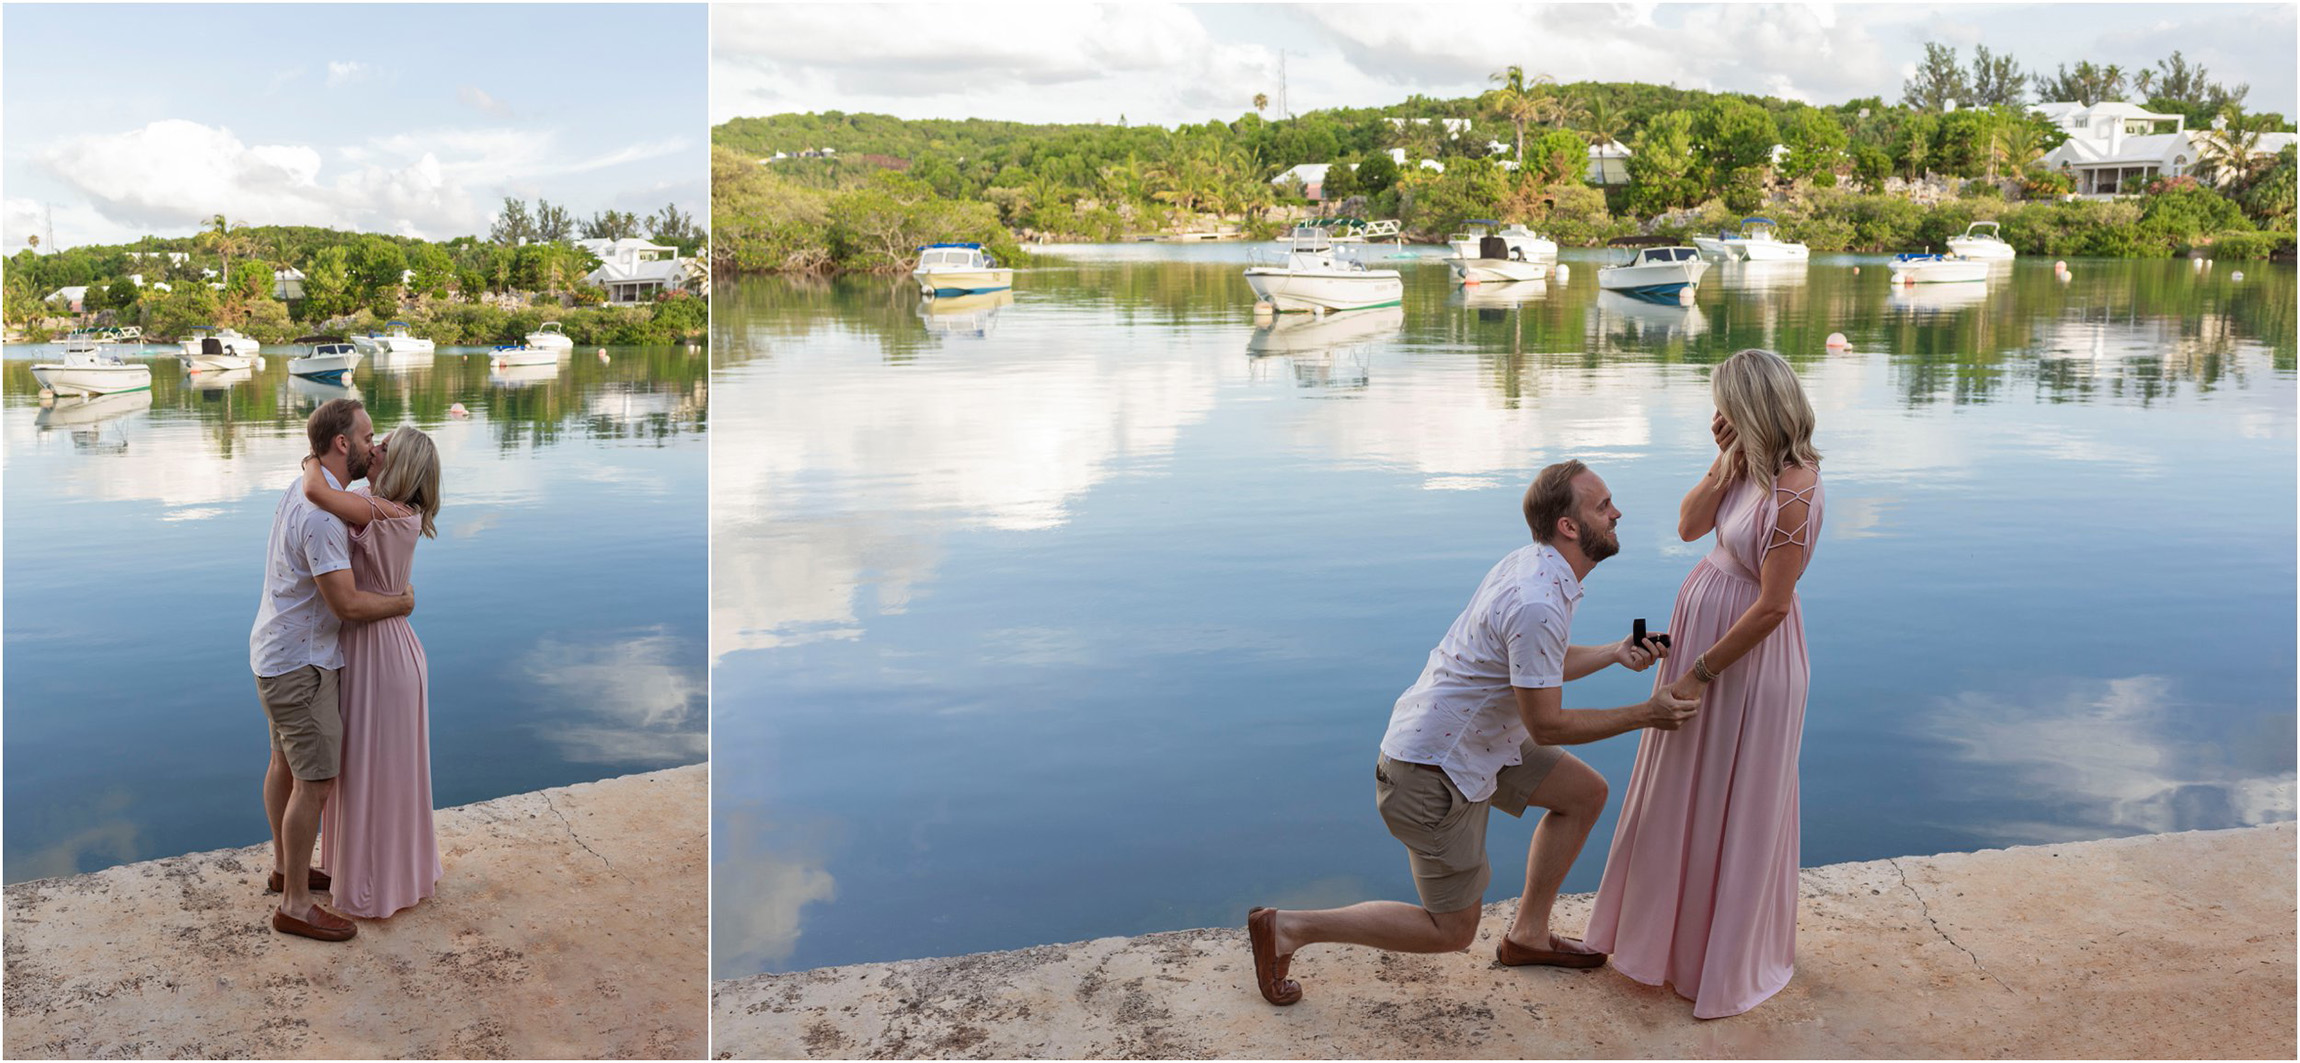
(1700, 888)
(376, 839)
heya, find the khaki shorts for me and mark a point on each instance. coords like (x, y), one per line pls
(306, 727)
(1443, 831)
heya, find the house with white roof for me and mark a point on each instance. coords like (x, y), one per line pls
(1608, 163)
(287, 284)
(73, 297)
(2116, 148)
(635, 271)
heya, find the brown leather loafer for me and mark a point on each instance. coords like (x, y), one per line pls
(1512, 954)
(1269, 967)
(317, 880)
(323, 925)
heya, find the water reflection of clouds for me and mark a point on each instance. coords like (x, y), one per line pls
(2107, 758)
(107, 836)
(759, 893)
(993, 441)
(641, 704)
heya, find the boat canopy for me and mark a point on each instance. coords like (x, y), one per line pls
(1479, 221)
(401, 324)
(324, 338)
(1643, 241)
(1760, 221)
(924, 247)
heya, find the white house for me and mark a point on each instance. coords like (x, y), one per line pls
(287, 283)
(635, 271)
(1608, 163)
(72, 298)
(1311, 174)
(2115, 148)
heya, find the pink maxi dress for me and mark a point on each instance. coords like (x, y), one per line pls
(1700, 888)
(375, 836)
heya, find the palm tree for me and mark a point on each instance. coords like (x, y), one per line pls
(1518, 102)
(1261, 102)
(228, 240)
(1601, 123)
(2229, 154)
(2017, 147)
(1561, 109)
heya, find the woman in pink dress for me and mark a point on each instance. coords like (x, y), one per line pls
(375, 835)
(1700, 889)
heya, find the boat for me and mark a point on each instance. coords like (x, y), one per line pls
(1311, 277)
(1981, 240)
(522, 354)
(1522, 242)
(92, 371)
(1758, 241)
(1937, 269)
(214, 356)
(330, 361)
(549, 335)
(397, 341)
(1659, 269)
(1497, 259)
(231, 340)
(959, 269)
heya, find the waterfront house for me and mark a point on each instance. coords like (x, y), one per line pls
(287, 284)
(635, 271)
(2116, 148)
(73, 297)
(1608, 164)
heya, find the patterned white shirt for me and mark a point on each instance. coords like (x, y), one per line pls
(1461, 715)
(294, 626)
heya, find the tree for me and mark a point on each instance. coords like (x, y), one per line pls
(1732, 134)
(1913, 142)
(1938, 80)
(1261, 102)
(1997, 81)
(2016, 147)
(1377, 173)
(377, 266)
(1662, 166)
(1341, 183)
(1602, 122)
(2270, 199)
(2180, 88)
(328, 288)
(434, 270)
(513, 225)
(1558, 157)
(1517, 102)
(2228, 155)
(552, 223)
(672, 226)
(611, 225)
(1816, 143)
(2087, 84)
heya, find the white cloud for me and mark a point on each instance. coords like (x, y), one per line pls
(341, 72)
(477, 99)
(647, 706)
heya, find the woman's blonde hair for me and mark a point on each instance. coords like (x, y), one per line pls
(410, 474)
(1759, 395)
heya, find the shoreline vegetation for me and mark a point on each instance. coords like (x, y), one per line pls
(467, 291)
(858, 193)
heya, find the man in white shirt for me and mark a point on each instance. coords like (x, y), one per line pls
(1480, 729)
(308, 593)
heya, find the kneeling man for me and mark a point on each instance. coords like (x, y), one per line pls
(1481, 728)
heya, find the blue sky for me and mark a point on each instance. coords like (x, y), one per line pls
(414, 119)
(1169, 63)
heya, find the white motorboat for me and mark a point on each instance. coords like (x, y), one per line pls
(1524, 244)
(1658, 270)
(1937, 269)
(1983, 241)
(214, 355)
(522, 355)
(396, 341)
(92, 371)
(1496, 258)
(230, 339)
(959, 269)
(329, 363)
(964, 315)
(1758, 241)
(1311, 277)
(549, 335)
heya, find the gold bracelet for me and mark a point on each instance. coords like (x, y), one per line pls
(1701, 669)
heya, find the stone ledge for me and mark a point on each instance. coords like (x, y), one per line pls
(2177, 945)
(568, 923)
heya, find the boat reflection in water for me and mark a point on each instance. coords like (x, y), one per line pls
(206, 382)
(1332, 350)
(1640, 321)
(88, 418)
(971, 316)
(1737, 275)
(309, 392)
(521, 376)
(1508, 296)
(1938, 298)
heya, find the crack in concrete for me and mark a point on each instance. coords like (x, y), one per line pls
(563, 821)
(1927, 908)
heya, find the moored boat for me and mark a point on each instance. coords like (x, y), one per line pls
(1311, 277)
(1937, 269)
(522, 354)
(395, 341)
(1523, 243)
(1659, 269)
(330, 361)
(92, 371)
(230, 339)
(1981, 240)
(959, 269)
(549, 335)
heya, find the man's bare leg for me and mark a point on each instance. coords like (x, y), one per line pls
(1392, 925)
(278, 783)
(299, 828)
(1574, 795)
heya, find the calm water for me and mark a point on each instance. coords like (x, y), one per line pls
(560, 608)
(1082, 613)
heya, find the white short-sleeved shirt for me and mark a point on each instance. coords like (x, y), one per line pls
(1461, 715)
(294, 626)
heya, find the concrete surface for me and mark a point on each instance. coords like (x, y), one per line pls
(2177, 945)
(568, 923)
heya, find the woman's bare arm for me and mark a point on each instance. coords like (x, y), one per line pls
(351, 507)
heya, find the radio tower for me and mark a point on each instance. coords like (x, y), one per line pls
(1283, 107)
